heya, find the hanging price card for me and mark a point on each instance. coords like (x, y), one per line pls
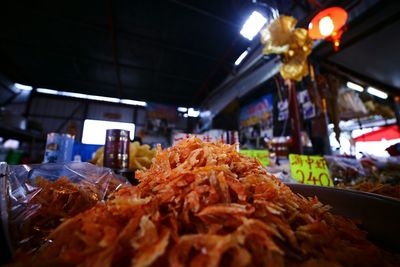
(310, 170)
(261, 155)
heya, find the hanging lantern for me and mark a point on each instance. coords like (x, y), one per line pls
(328, 24)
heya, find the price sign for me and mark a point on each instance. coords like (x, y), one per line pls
(310, 170)
(261, 155)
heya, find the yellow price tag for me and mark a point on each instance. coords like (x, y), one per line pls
(310, 170)
(261, 155)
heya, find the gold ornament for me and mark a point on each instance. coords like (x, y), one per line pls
(281, 37)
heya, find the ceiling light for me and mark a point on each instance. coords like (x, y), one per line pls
(376, 92)
(326, 26)
(103, 98)
(193, 113)
(241, 57)
(182, 109)
(47, 91)
(185, 115)
(22, 87)
(253, 25)
(93, 97)
(354, 86)
(76, 95)
(133, 102)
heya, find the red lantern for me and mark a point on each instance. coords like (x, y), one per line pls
(328, 24)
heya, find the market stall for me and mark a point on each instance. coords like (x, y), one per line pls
(248, 133)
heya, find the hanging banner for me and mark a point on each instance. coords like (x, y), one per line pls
(283, 110)
(257, 112)
(311, 170)
(307, 106)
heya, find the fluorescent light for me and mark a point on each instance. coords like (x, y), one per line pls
(193, 113)
(11, 144)
(376, 92)
(355, 86)
(23, 87)
(253, 25)
(94, 131)
(326, 26)
(133, 102)
(93, 97)
(185, 115)
(103, 98)
(76, 95)
(47, 91)
(182, 109)
(241, 57)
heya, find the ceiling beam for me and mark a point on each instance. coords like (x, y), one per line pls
(8, 42)
(205, 13)
(131, 35)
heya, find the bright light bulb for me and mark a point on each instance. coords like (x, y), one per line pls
(23, 87)
(133, 102)
(241, 57)
(47, 91)
(376, 92)
(193, 113)
(253, 25)
(355, 86)
(182, 109)
(326, 26)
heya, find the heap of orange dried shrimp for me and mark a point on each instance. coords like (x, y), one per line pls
(204, 204)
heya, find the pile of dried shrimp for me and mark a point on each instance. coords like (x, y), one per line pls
(204, 204)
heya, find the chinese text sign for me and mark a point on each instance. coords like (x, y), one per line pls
(310, 170)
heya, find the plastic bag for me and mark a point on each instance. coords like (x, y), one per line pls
(35, 199)
(345, 170)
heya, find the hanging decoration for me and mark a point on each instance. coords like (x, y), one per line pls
(294, 44)
(329, 24)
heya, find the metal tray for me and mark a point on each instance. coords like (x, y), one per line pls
(379, 215)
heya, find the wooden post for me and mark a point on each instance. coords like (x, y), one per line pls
(295, 146)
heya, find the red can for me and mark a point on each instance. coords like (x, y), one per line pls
(116, 149)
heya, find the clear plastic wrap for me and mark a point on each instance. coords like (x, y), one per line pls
(37, 198)
(345, 170)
